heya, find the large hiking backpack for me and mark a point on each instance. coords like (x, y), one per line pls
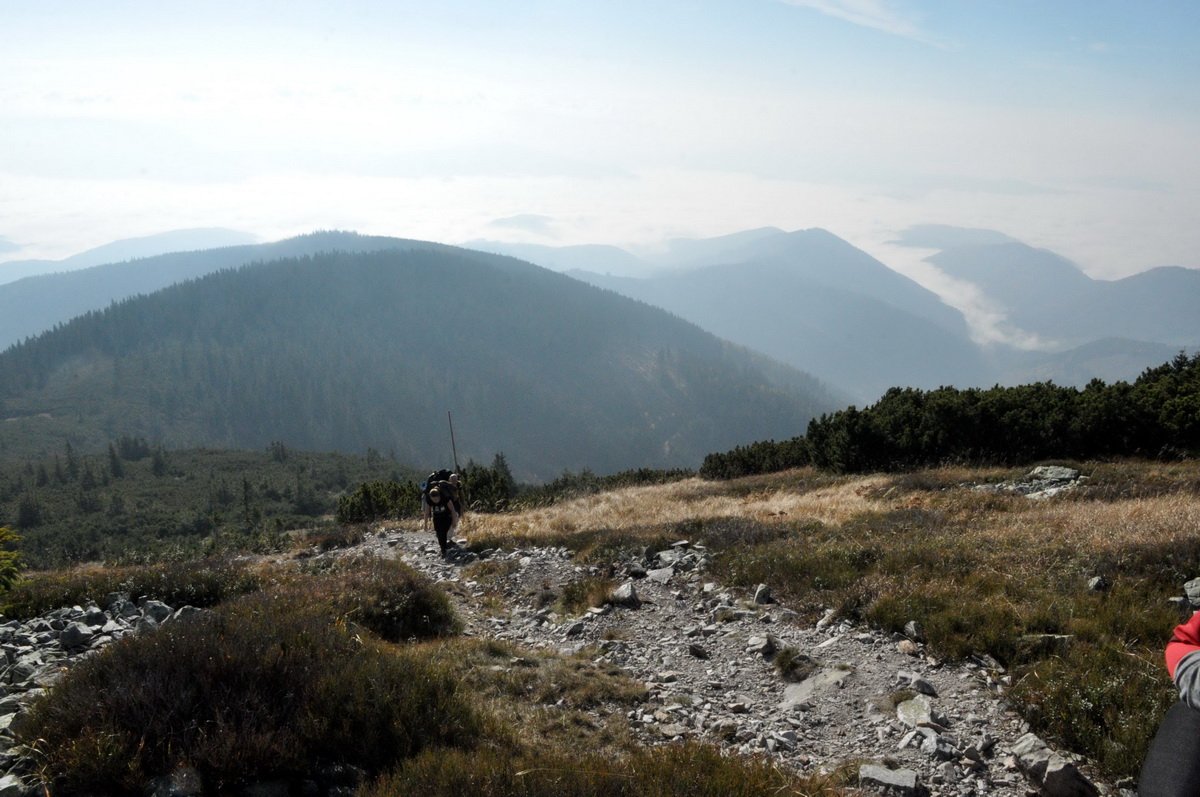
(441, 480)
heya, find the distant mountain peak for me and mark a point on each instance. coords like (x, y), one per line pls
(945, 236)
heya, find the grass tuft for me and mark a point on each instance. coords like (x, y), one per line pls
(684, 770)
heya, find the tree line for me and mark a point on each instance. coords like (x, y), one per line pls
(1157, 416)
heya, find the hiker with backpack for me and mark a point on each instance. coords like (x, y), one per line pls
(441, 501)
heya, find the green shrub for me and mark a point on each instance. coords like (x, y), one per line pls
(378, 500)
(262, 687)
(11, 562)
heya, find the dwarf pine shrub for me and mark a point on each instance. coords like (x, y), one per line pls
(262, 687)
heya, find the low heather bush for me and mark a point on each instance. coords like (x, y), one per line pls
(1101, 701)
(202, 583)
(264, 686)
(385, 596)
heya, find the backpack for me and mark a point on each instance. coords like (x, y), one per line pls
(441, 480)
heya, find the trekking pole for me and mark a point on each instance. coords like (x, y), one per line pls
(453, 447)
(462, 484)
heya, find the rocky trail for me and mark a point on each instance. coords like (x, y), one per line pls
(907, 722)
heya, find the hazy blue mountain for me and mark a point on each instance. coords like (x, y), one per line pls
(35, 304)
(128, 249)
(1044, 293)
(944, 236)
(344, 351)
(588, 257)
(815, 302)
(698, 252)
(1110, 359)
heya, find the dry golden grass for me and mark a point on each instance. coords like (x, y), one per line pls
(776, 500)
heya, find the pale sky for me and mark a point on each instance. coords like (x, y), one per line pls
(1068, 124)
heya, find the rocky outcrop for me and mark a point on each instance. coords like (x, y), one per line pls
(37, 652)
(1044, 481)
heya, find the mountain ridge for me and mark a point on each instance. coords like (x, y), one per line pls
(343, 351)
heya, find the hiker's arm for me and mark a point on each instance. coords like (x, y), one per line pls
(1183, 660)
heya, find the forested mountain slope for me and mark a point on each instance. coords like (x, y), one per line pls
(344, 351)
(35, 304)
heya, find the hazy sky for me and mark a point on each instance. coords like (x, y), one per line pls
(1069, 124)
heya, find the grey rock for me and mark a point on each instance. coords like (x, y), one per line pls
(895, 781)
(765, 644)
(184, 612)
(915, 711)
(156, 610)
(924, 687)
(76, 635)
(1063, 779)
(13, 786)
(1056, 776)
(661, 575)
(1192, 590)
(625, 595)
(939, 747)
(823, 680)
(1053, 473)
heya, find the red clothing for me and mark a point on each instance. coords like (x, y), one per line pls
(1185, 640)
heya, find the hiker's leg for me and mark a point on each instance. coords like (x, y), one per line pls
(441, 525)
(1172, 765)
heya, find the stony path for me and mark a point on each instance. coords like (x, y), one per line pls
(707, 656)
